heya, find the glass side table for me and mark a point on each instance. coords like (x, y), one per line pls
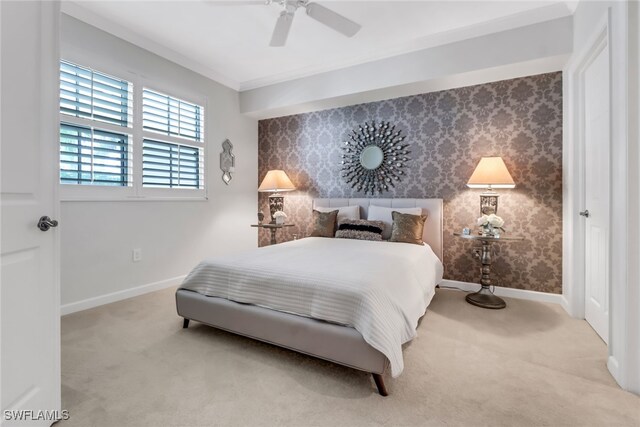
(272, 228)
(484, 297)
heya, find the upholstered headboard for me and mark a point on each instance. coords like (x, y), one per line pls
(432, 234)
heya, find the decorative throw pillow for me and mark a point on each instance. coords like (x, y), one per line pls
(344, 212)
(324, 223)
(360, 229)
(407, 228)
(381, 213)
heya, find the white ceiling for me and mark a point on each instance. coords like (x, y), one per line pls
(230, 43)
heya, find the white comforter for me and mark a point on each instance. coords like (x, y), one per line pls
(379, 288)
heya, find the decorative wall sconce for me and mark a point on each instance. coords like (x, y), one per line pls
(374, 157)
(227, 161)
(490, 173)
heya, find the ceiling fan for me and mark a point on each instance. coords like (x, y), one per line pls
(314, 10)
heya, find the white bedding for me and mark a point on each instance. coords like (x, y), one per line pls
(379, 288)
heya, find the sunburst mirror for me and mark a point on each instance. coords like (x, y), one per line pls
(374, 157)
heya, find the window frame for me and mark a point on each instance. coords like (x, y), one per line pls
(156, 136)
(136, 191)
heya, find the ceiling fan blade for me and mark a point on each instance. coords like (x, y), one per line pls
(332, 19)
(281, 31)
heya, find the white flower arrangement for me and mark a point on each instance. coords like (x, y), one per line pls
(490, 223)
(280, 217)
(493, 220)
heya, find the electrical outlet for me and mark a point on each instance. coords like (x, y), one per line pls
(137, 255)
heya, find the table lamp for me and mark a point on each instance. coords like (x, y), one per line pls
(490, 173)
(276, 181)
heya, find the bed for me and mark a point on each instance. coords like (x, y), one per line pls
(351, 302)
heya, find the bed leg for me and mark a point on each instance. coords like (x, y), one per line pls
(185, 323)
(382, 389)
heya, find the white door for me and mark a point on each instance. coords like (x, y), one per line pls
(597, 192)
(29, 284)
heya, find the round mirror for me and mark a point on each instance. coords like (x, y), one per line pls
(371, 157)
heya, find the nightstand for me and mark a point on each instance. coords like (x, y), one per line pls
(484, 297)
(273, 228)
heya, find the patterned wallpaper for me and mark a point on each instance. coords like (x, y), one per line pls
(448, 132)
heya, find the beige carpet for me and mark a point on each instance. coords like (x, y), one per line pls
(131, 364)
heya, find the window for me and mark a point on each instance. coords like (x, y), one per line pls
(171, 116)
(172, 154)
(93, 156)
(96, 112)
(104, 143)
(170, 165)
(95, 96)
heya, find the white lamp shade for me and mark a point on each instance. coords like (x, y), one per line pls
(276, 181)
(491, 172)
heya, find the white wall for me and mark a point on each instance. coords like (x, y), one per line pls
(624, 343)
(533, 49)
(97, 238)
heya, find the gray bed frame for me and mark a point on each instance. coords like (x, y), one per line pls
(339, 344)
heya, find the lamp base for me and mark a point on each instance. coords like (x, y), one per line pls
(486, 299)
(489, 203)
(276, 203)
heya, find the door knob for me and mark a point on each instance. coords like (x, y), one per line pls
(45, 223)
(585, 213)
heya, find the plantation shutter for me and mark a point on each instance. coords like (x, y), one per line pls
(96, 117)
(174, 159)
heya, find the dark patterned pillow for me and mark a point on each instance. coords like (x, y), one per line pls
(360, 229)
(407, 228)
(324, 223)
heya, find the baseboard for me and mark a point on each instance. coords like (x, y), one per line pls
(564, 302)
(507, 292)
(119, 295)
(614, 369)
(174, 281)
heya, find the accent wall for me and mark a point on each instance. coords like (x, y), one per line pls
(448, 132)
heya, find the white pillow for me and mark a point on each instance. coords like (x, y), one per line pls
(379, 213)
(344, 212)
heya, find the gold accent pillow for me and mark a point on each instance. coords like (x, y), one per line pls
(407, 228)
(324, 223)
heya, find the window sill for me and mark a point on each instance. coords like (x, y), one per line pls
(89, 193)
(134, 199)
